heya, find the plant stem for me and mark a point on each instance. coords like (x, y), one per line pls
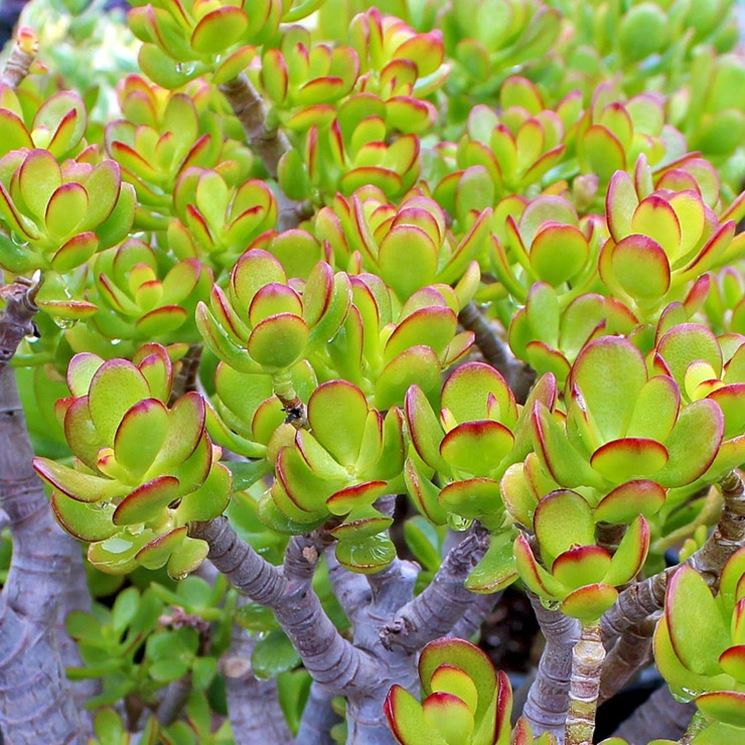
(329, 658)
(548, 698)
(186, 378)
(631, 652)
(584, 686)
(253, 709)
(659, 716)
(173, 701)
(36, 704)
(317, 720)
(435, 611)
(270, 144)
(21, 57)
(495, 351)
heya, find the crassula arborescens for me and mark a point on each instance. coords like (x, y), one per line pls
(337, 287)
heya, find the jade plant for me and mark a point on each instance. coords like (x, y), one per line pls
(329, 328)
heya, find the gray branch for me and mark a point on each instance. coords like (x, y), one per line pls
(473, 616)
(547, 702)
(19, 62)
(318, 719)
(36, 704)
(435, 611)
(253, 709)
(660, 716)
(329, 658)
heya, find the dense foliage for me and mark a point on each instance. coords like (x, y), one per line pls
(326, 288)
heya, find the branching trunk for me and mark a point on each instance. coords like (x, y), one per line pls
(584, 686)
(435, 611)
(548, 698)
(330, 659)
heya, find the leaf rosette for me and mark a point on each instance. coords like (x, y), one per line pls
(142, 469)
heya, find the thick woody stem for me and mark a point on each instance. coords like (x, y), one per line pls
(21, 57)
(328, 657)
(253, 709)
(473, 616)
(270, 144)
(630, 653)
(644, 598)
(435, 611)
(584, 686)
(659, 716)
(36, 704)
(548, 697)
(317, 720)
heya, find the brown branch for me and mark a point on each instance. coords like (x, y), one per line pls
(21, 57)
(270, 144)
(494, 350)
(435, 611)
(644, 598)
(329, 658)
(584, 686)
(547, 701)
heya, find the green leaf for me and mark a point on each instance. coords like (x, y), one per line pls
(219, 29)
(561, 520)
(272, 655)
(697, 631)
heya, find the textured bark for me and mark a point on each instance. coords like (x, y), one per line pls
(547, 702)
(435, 611)
(631, 652)
(21, 56)
(270, 144)
(473, 616)
(253, 709)
(36, 704)
(659, 716)
(318, 719)
(584, 686)
(644, 598)
(329, 658)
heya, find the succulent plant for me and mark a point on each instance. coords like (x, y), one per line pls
(573, 569)
(129, 501)
(465, 701)
(698, 645)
